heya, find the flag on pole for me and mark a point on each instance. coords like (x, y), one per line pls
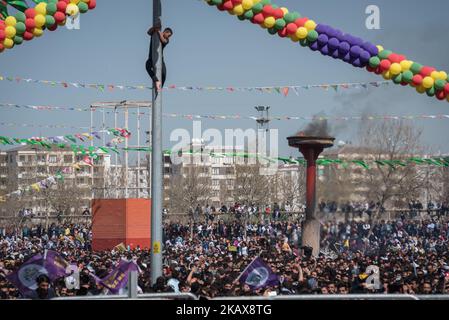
(258, 275)
(118, 278)
(50, 264)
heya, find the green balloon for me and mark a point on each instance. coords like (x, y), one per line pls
(18, 40)
(257, 8)
(272, 31)
(275, 6)
(49, 21)
(398, 79)
(374, 62)
(84, 7)
(407, 76)
(241, 18)
(312, 35)
(20, 28)
(289, 17)
(430, 92)
(265, 2)
(280, 24)
(439, 84)
(416, 68)
(384, 54)
(52, 1)
(304, 42)
(52, 8)
(249, 14)
(217, 2)
(20, 16)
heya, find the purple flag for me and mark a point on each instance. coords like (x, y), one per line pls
(258, 275)
(118, 278)
(50, 264)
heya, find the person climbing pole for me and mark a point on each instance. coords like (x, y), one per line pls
(164, 37)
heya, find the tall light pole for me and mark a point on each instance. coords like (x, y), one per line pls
(263, 123)
(156, 156)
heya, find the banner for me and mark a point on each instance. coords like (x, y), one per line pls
(118, 278)
(258, 275)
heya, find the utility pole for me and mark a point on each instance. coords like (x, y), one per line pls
(157, 183)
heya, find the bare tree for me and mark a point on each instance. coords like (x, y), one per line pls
(389, 144)
(251, 187)
(292, 186)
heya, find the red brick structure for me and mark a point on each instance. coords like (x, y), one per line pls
(116, 221)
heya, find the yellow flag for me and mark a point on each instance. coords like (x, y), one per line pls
(120, 247)
(36, 187)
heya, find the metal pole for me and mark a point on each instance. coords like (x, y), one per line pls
(92, 144)
(126, 154)
(132, 285)
(138, 153)
(116, 174)
(103, 128)
(156, 168)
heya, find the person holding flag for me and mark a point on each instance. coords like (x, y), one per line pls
(258, 275)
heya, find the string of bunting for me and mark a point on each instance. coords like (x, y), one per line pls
(119, 133)
(284, 90)
(218, 117)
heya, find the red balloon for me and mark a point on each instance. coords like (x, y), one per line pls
(2, 35)
(427, 71)
(2, 24)
(300, 22)
(2, 47)
(394, 58)
(268, 11)
(28, 36)
(59, 17)
(30, 24)
(378, 70)
(30, 13)
(237, 2)
(291, 28)
(385, 65)
(370, 69)
(278, 13)
(92, 4)
(283, 33)
(404, 83)
(228, 5)
(417, 79)
(221, 8)
(53, 27)
(441, 95)
(446, 88)
(61, 5)
(258, 18)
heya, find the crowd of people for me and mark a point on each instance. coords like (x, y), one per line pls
(206, 258)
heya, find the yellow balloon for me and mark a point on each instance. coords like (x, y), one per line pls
(41, 8)
(238, 10)
(435, 75)
(11, 21)
(395, 69)
(420, 89)
(301, 33)
(39, 20)
(75, 1)
(8, 43)
(294, 38)
(72, 9)
(10, 32)
(247, 4)
(428, 82)
(285, 10)
(269, 22)
(406, 65)
(38, 32)
(310, 25)
(443, 75)
(387, 75)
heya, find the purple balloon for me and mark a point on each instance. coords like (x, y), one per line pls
(338, 34)
(347, 58)
(314, 46)
(333, 43)
(346, 38)
(336, 55)
(371, 48)
(344, 47)
(357, 63)
(322, 39)
(320, 28)
(324, 50)
(331, 32)
(355, 51)
(365, 56)
(358, 41)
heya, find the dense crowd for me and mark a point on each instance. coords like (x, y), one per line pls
(206, 258)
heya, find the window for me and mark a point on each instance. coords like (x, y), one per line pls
(52, 159)
(215, 182)
(68, 159)
(215, 171)
(21, 158)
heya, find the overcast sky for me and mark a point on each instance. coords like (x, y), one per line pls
(212, 48)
